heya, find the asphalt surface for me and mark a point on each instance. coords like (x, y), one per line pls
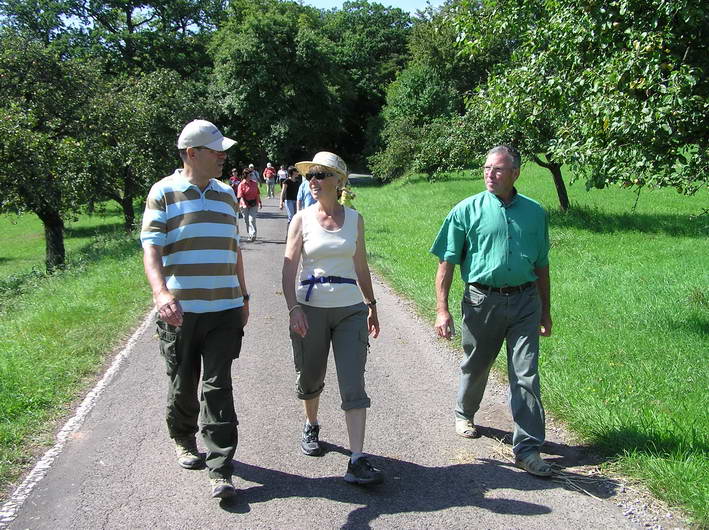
(118, 469)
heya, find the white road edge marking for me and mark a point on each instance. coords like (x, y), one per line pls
(12, 506)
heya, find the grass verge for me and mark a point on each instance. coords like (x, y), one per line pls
(627, 365)
(55, 330)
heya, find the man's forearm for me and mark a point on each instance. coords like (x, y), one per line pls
(544, 288)
(240, 272)
(152, 263)
(444, 278)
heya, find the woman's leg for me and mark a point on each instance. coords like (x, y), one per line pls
(254, 213)
(350, 342)
(310, 357)
(356, 420)
(291, 209)
(311, 409)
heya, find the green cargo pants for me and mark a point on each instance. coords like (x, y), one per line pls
(207, 341)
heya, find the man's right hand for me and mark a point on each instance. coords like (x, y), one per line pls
(169, 309)
(444, 325)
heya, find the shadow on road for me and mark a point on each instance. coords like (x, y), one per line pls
(409, 487)
(278, 214)
(245, 244)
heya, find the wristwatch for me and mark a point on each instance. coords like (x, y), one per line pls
(371, 303)
(246, 297)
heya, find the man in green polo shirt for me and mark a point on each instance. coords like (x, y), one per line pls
(500, 239)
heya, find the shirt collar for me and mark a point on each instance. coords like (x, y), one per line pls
(182, 184)
(502, 203)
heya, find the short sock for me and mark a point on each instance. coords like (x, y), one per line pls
(308, 423)
(356, 456)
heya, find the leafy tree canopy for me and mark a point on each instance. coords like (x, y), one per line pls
(618, 89)
(137, 35)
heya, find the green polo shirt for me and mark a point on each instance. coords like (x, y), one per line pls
(494, 243)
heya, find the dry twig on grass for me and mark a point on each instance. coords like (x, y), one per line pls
(572, 480)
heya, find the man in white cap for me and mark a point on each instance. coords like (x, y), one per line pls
(193, 264)
(254, 175)
(269, 175)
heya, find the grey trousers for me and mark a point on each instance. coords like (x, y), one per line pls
(205, 345)
(488, 319)
(250, 219)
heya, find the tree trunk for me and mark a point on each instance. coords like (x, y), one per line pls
(560, 186)
(54, 240)
(558, 180)
(128, 214)
(127, 200)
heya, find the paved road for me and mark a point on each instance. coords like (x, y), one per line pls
(118, 470)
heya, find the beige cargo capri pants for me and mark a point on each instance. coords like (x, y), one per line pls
(346, 329)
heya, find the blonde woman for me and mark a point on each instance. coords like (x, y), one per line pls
(332, 304)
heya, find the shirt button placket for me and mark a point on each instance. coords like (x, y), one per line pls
(507, 241)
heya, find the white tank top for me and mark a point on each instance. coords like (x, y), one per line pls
(328, 253)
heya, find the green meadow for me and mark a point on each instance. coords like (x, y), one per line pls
(56, 331)
(627, 367)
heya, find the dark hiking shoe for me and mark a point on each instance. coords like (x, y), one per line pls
(310, 444)
(222, 488)
(362, 472)
(187, 454)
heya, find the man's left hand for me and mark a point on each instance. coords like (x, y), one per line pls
(545, 326)
(245, 313)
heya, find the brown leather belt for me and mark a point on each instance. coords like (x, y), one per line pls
(503, 290)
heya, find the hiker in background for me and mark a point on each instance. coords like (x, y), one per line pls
(333, 302)
(234, 180)
(289, 192)
(249, 197)
(282, 175)
(254, 174)
(304, 198)
(500, 239)
(200, 323)
(269, 175)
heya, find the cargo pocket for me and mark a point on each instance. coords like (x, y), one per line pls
(297, 345)
(168, 347)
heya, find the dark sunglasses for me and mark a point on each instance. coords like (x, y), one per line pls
(318, 176)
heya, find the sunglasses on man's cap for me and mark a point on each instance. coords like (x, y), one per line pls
(318, 175)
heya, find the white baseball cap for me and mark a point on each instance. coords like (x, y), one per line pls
(269, 165)
(203, 133)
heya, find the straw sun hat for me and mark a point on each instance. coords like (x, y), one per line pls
(328, 160)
